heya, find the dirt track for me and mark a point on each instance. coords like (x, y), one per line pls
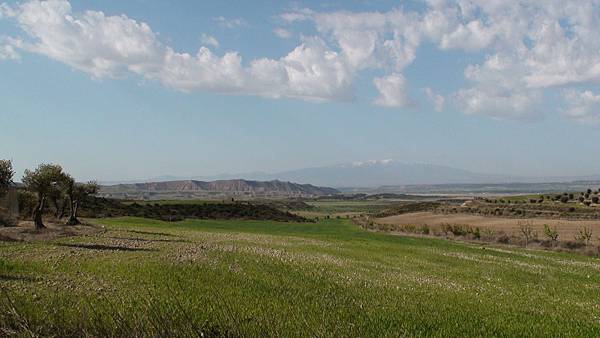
(566, 229)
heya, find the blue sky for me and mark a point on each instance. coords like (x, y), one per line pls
(106, 88)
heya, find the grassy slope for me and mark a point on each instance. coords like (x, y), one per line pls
(266, 278)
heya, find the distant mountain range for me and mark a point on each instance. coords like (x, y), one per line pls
(378, 173)
(213, 189)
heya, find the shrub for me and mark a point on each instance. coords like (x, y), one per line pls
(504, 239)
(488, 234)
(6, 221)
(581, 199)
(459, 230)
(409, 228)
(584, 235)
(571, 196)
(571, 245)
(595, 199)
(445, 227)
(587, 203)
(552, 234)
(476, 233)
(564, 199)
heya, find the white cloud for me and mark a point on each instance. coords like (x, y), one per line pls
(392, 91)
(91, 42)
(282, 33)
(530, 45)
(499, 90)
(372, 39)
(583, 106)
(6, 11)
(302, 14)
(7, 52)
(311, 71)
(209, 40)
(436, 99)
(229, 23)
(115, 46)
(540, 44)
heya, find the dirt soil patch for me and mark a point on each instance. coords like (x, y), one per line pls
(25, 231)
(567, 229)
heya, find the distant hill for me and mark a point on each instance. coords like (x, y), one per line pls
(213, 189)
(386, 172)
(377, 173)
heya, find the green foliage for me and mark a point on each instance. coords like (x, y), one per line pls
(45, 179)
(6, 175)
(103, 207)
(551, 233)
(584, 235)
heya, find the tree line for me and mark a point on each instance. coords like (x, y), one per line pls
(49, 183)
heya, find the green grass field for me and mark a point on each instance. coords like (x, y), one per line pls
(351, 206)
(181, 201)
(251, 278)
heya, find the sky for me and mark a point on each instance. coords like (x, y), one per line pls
(116, 90)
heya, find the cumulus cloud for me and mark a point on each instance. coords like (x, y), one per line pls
(436, 99)
(499, 90)
(372, 39)
(529, 46)
(115, 46)
(532, 45)
(583, 106)
(6, 11)
(7, 52)
(209, 40)
(392, 91)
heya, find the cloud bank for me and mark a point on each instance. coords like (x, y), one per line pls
(529, 46)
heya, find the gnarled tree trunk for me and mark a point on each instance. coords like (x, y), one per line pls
(37, 214)
(73, 213)
(63, 208)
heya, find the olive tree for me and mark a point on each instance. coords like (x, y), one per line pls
(6, 175)
(43, 181)
(76, 193)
